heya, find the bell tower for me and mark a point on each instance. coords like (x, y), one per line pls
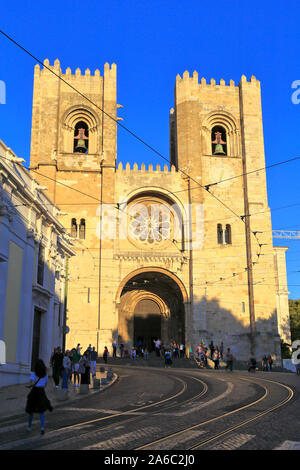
(73, 154)
(70, 132)
(216, 137)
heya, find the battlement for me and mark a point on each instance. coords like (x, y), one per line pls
(136, 169)
(193, 80)
(109, 71)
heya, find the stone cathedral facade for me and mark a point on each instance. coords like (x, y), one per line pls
(163, 252)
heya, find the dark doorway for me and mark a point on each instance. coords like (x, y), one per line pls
(36, 337)
(147, 323)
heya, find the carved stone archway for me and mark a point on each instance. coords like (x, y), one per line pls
(165, 297)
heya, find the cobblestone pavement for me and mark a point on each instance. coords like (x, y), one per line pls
(170, 409)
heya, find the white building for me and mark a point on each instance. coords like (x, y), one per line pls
(34, 253)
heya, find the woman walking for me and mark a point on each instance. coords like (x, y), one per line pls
(75, 367)
(67, 371)
(216, 358)
(105, 354)
(37, 401)
(57, 364)
(83, 370)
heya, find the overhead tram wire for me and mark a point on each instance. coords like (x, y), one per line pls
(272, 209)
(116, 207)
(243, 174)
(208, 282)
(242, 218)
(150, 147)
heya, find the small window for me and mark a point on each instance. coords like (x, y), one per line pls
(220, 234)
(243, 307)
(74, 228)
(81, 137)
(218, 140)
(41, 265)
(82, 229)
(228, 235)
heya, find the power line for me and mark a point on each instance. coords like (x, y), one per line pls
(125, 128)
(242, 218)
(243, 174)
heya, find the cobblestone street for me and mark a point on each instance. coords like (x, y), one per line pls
(173, 409)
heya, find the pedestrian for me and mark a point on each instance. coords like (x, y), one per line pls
(264, 363)
(168, 360)
(37, 401)
(140, 346)
(105, 354)
(57, 364)
(270, 362)
(66, 371)
(216, 358)
(206, 355)
(181, 351)
(88, 353)
(133, 353)
(75, 367)
(252, 364)
(114, 345)
(221, 350)
(146, 354)
(121, 347)
(84, 370)
(202, 358)
(229, 360)
(157, 344)
(94, 357)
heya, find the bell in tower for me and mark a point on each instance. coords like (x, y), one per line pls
(81, 140)
(217, 144)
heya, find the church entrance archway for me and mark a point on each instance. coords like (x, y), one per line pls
(151, 306)
(146, 323)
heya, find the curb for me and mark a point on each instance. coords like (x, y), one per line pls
(60, 404)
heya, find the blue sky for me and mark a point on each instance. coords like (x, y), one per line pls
(151, 42)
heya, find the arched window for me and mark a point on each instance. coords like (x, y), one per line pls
(228, 234)
(82, 229)
(218, 141)
(220, 234)
(74, 228)
(81, 137)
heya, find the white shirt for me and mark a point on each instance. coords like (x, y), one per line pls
(67, 362)
(42, 382)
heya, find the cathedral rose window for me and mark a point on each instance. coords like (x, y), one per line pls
(150, 223)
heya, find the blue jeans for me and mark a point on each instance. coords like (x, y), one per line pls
(65, 379)
(42, 420)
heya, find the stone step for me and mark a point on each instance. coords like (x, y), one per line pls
(152, 361)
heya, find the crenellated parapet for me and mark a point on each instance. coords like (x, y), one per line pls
(110, 71)
(188, 80)
(135, 169)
